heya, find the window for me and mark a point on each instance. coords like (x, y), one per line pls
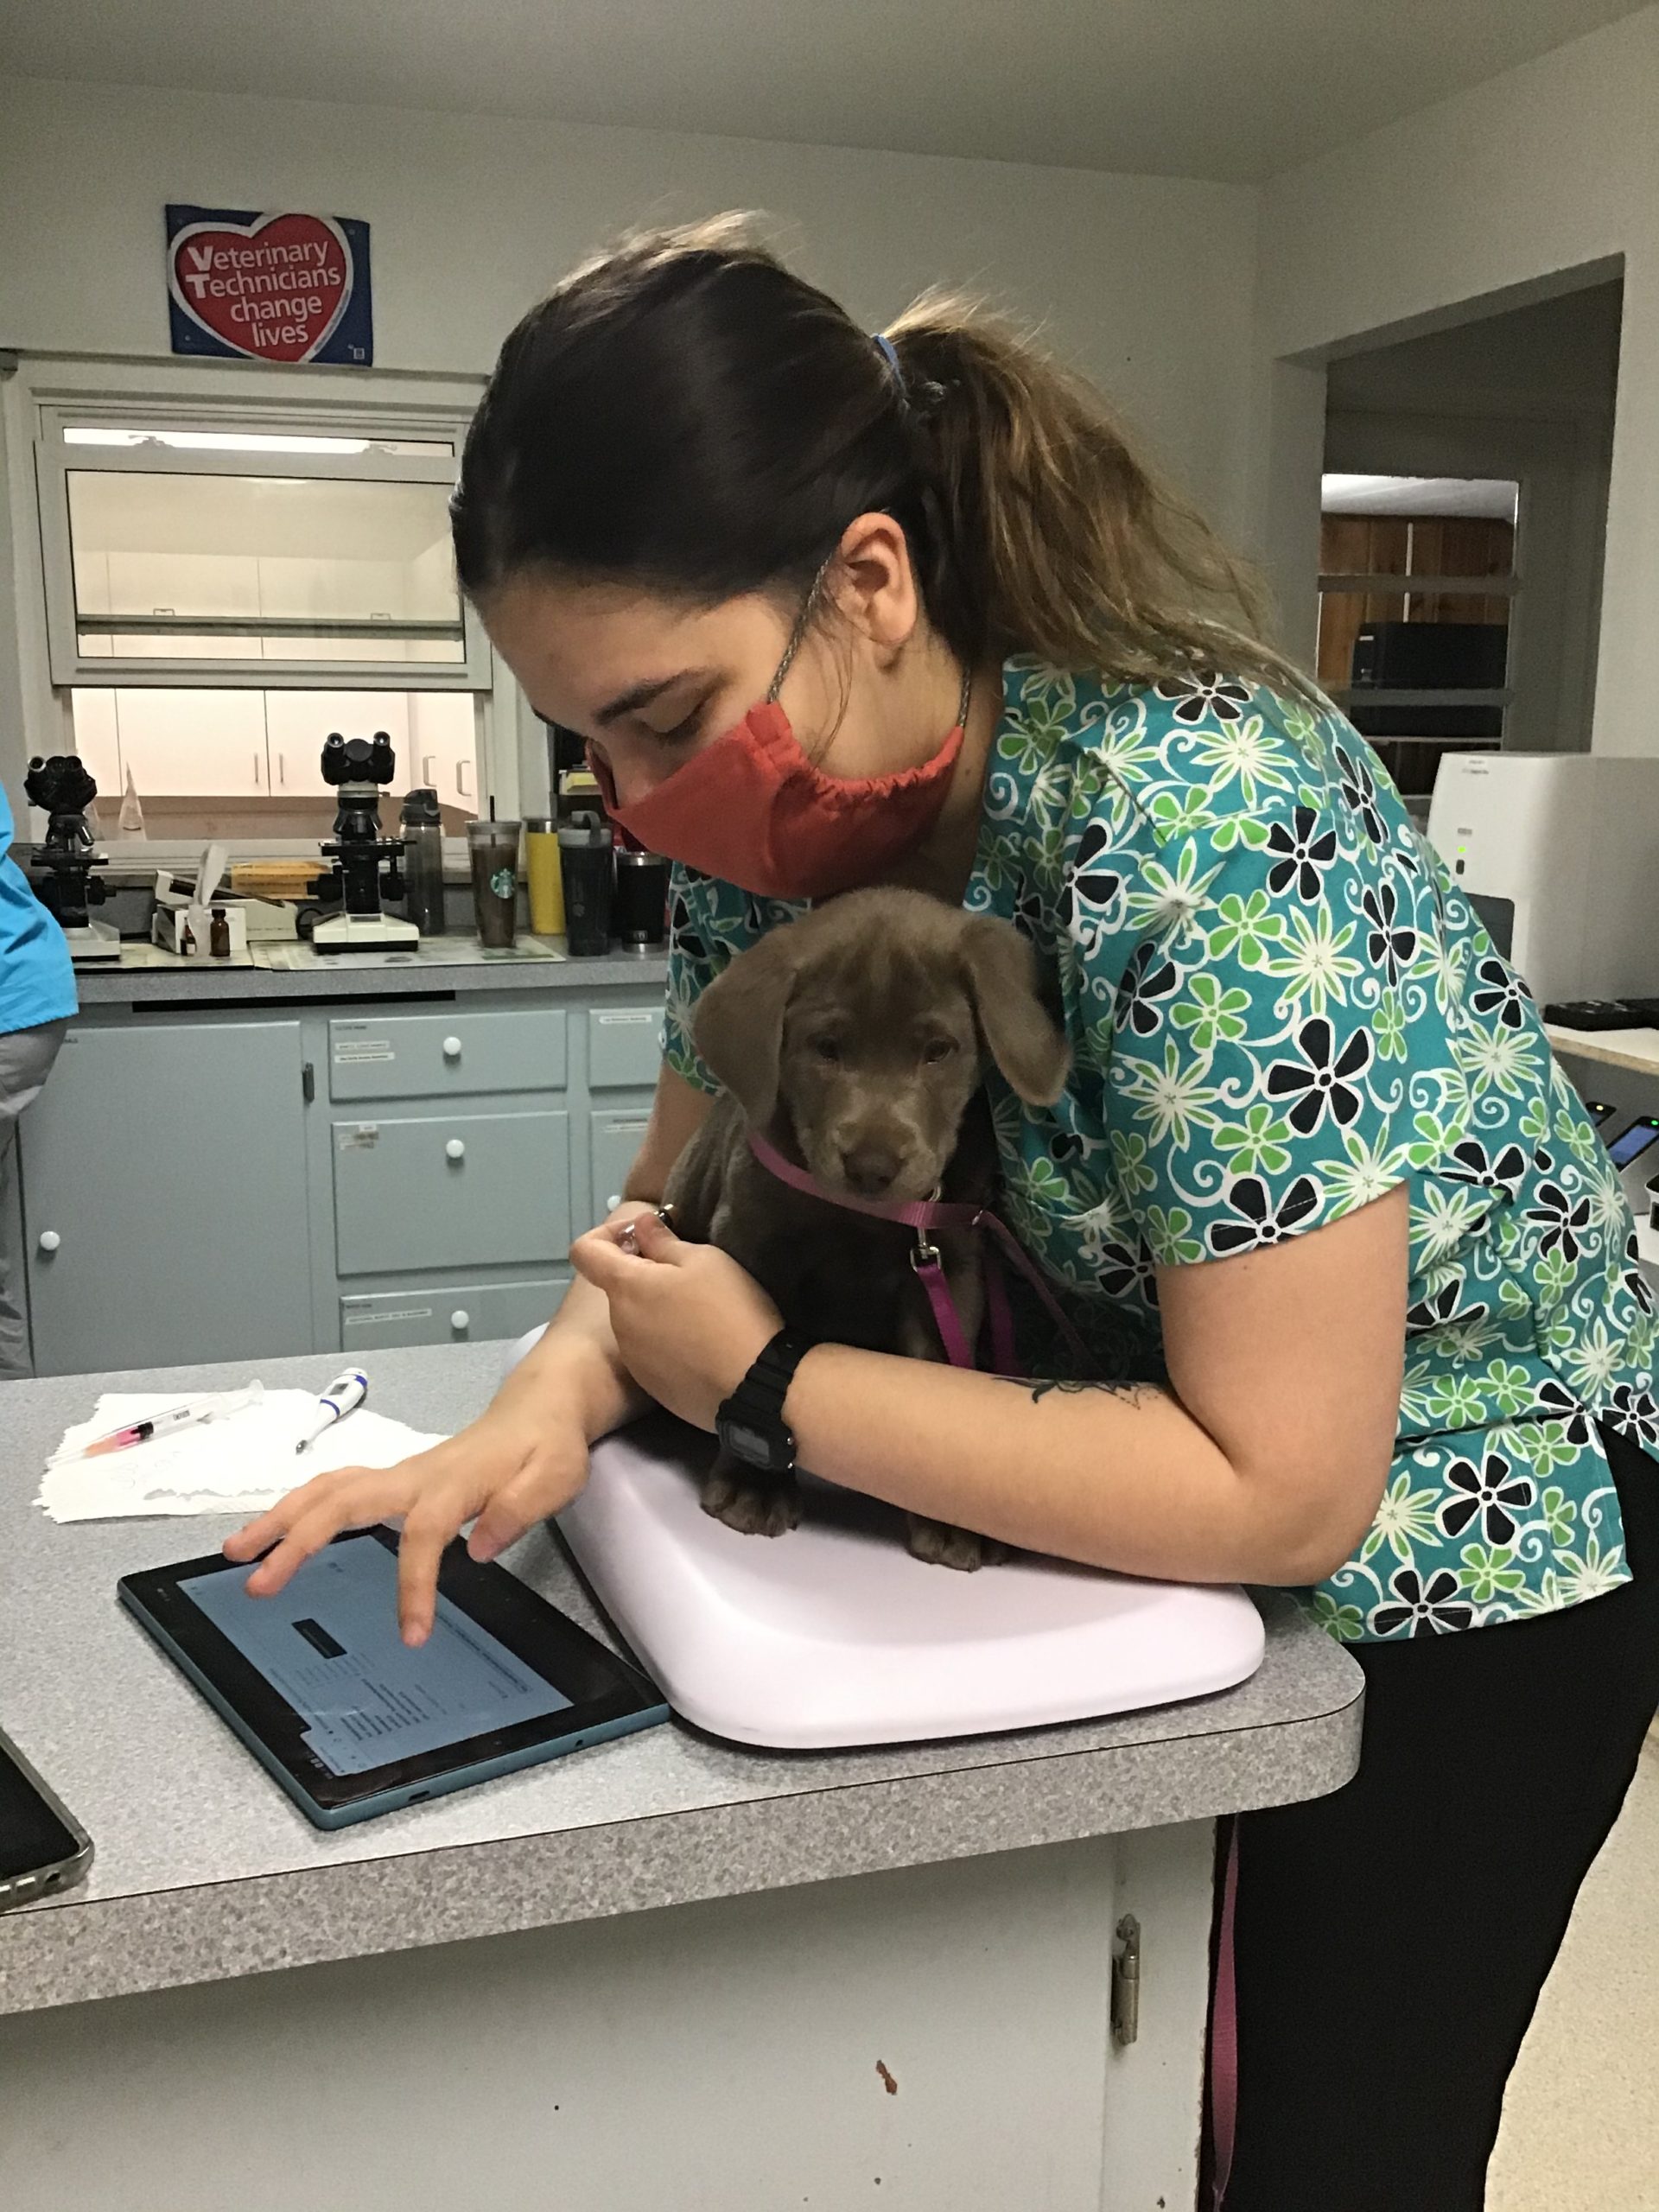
(225, 583)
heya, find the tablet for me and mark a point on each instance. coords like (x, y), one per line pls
(322, 1690)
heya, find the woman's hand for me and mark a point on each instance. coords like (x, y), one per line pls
(689, 1321)
(506, 1472)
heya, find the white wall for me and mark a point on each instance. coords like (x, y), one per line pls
(1145, 280)
(1548, 169)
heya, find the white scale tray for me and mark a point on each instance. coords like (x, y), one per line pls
(833, 1635)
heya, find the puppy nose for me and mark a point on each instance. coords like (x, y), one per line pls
(870, 1169)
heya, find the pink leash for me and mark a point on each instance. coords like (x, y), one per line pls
(1223, 2034)
(923, 1215)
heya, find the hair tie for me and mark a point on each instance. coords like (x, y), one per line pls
(885, 346)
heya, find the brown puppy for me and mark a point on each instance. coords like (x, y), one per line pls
(855, 1039)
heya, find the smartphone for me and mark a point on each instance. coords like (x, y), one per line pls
(1633, 1140)
(42, 1846)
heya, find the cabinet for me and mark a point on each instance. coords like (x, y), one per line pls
(339, 1176)
(149, 1167)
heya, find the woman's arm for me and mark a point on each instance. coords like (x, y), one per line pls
(1263, 1461)
(576, 1365)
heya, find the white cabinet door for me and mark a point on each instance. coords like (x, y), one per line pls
(297, 722)
(191, 744)
(98, 740)
(443, 747)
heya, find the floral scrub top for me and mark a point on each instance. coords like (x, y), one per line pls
(1280, 1006)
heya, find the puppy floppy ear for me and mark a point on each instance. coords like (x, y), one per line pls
(1025, 1044)
(737, 1024)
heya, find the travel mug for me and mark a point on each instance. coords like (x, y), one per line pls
(641, 912)
(585, 863)
(493, 849)
(542, 873)
(422, 828)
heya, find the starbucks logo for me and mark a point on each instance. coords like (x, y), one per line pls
(502, 883)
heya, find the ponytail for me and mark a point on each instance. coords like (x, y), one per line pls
(685, 413)
(1050, 534)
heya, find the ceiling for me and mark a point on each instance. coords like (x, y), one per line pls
(1227, 89)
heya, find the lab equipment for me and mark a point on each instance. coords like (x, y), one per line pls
(350, 1720)
(344, 1395)
(42, 1846)
(1558, 853)
(1633, 1140)
(61, 875)
(586, 862)
(542, 875)
(839, 1637)
(493, 849)
(639, 913)
(217, 1407)
(358, 766)
(422, 823)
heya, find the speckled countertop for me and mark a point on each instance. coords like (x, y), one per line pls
(204, 1870)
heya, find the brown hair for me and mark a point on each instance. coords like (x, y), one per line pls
(686, 412)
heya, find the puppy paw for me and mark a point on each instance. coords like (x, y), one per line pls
(755, 1505)
(940, 1545)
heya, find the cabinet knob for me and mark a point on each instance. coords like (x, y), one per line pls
(460, 1320)
(452, 1048)
(50, 1240)
(455, 1149)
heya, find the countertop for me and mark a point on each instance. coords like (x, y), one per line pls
(1637, 1049)
(151, 976)
(204, 1870)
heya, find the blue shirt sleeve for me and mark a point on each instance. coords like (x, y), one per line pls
(37, 979)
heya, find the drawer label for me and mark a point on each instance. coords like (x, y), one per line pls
(364, 1052)
(378, 1319)
(362, 1138)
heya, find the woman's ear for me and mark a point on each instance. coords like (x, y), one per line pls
(737, 1025)
(1025, 1043)
(874, 581)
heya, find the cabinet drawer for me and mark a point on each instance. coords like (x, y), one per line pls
(624, 1047)
(472, 1313)
(426, 1055)
(614, 1141)
(451, 1190)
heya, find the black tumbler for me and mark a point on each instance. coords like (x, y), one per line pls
(641, 914)
(585, 866)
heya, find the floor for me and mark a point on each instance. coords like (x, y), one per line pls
(1581, 2120)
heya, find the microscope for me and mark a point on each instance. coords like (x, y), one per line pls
(358, 766)
(61, 872)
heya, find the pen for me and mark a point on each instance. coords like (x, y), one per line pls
(343, 1395)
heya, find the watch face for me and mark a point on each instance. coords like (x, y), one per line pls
(751, 1445)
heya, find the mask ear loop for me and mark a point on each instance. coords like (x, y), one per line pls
(797, 639)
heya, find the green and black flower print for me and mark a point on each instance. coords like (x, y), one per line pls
(1281, 1007)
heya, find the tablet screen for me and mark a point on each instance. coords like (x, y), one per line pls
(328, 1645)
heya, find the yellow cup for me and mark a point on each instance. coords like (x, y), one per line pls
(541, 871)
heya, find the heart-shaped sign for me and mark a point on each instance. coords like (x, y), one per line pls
(272, 289)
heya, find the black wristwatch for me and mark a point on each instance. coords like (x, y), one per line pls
(750, 1424)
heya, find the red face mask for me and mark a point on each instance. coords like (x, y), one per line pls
(754, 811)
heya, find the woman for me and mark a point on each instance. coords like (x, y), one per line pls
(829, 609)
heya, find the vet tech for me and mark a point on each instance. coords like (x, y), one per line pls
(830, 608)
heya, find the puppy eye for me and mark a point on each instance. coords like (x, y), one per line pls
(940, 1049)
(827, 1050)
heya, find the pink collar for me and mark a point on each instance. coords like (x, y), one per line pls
(925, 1214)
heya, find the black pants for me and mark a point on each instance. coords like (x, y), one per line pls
(1392, 1939)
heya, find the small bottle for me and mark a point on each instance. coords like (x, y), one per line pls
(219, 936)
(187, 942)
